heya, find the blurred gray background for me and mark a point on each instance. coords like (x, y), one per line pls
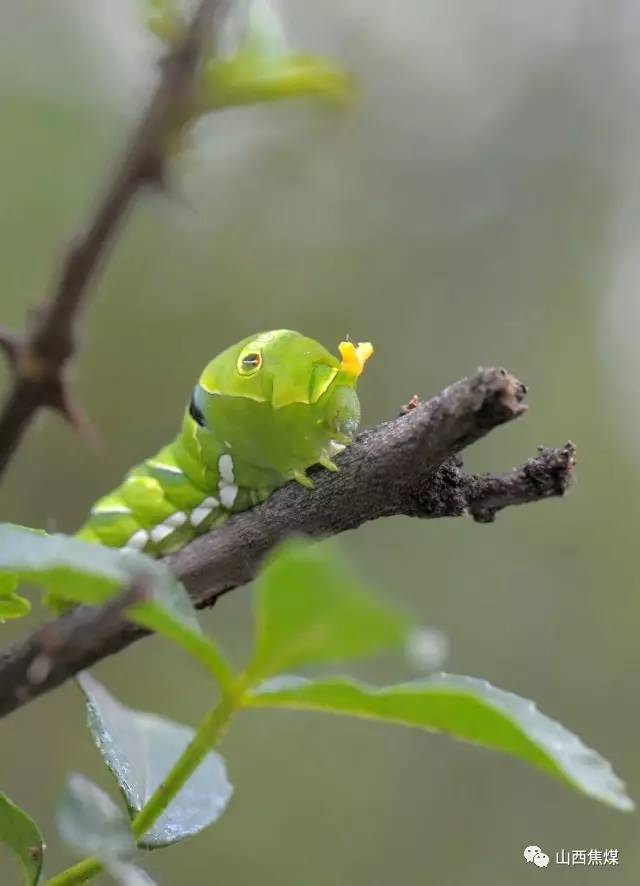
(479, 205)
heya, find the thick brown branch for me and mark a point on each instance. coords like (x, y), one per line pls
(40, 358)
(63, 647)
(406, 466)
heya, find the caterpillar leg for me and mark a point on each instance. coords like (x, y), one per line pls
(301, 478)
(326, 462)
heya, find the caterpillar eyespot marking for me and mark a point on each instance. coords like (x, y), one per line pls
(249, 363)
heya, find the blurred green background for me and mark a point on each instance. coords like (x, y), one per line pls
(478, 206)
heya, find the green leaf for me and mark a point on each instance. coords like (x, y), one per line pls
(79, 572)
(13, 607)
(140, 749)
(164, 20)
(172, 598)
(9, 582)
(172, 615)
(245, 81)
(66, 567)
(311, 608)
(257, 65)
(465, 708)
(21, 834)
(90, 823)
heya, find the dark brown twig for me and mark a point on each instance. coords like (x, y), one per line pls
(40, 357)
(545, 476)
(64, 647)
(405, 466)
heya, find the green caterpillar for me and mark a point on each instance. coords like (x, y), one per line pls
(262, 413)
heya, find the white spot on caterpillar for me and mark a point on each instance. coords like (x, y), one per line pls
(335, 448)
(203, 510)
(176, 520)
(110, 509)
(227, 488)
(228, 493)
(160, 532)
(198, 515)
(171, 469)
(138, 540)
(227, 444)
(225, 467)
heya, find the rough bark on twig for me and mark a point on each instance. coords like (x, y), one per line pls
(406, 466)
(57, 650)
(39, 358)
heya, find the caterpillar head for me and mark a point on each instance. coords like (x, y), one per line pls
(283, 368)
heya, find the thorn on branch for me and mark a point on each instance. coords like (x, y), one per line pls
(153, 172)
(10, 345)
(413, 403)
(61, 400)
(50, 339)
